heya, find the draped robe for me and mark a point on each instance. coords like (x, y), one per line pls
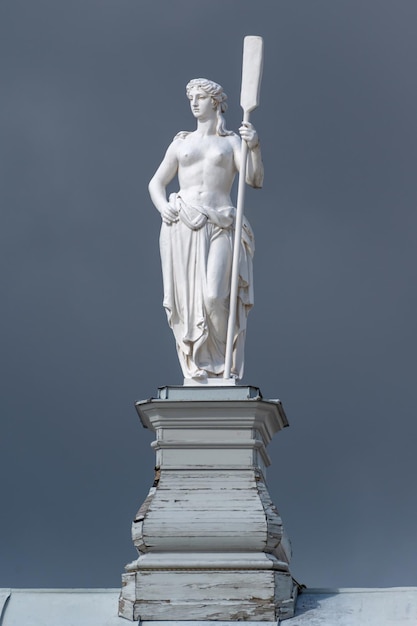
(192, 314)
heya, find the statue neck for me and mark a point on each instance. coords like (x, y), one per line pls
(206, 127)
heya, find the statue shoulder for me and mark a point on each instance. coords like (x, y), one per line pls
(234, 141)
(234, 138)
(182, 134)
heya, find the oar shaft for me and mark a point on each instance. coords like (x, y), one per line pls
(234, 285)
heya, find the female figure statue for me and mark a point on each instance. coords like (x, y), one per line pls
(197, 234)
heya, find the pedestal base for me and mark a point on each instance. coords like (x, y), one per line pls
(234, 595)
(211, 543)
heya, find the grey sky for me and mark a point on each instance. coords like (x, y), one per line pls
(92, 93)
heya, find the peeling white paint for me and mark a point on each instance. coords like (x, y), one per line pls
(211, 543)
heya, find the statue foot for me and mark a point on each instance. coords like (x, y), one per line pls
(200, 375)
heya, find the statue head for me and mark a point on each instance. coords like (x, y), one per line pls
(218, 98)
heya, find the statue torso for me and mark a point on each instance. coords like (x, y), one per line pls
(206, 169)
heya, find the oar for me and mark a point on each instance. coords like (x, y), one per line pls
(249, 100)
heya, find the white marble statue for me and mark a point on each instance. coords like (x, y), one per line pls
(197, 234)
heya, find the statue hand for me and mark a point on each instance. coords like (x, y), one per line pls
(249, 134)
(169, 214)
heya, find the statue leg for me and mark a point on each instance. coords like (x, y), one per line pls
(217, 291)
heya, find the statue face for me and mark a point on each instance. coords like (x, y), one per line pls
(201, 103)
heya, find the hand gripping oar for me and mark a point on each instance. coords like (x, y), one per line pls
(249, 100)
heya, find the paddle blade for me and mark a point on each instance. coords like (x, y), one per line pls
(252, 65)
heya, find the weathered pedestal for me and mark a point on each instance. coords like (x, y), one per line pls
(211, 543)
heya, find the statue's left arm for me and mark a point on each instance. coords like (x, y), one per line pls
(255, 168)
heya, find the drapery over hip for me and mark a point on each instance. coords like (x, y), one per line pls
(185, 247)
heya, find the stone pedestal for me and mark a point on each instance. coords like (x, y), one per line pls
(211, 543)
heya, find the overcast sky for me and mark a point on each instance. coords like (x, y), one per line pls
(92, 92)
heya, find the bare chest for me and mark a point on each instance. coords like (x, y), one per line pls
(213, 151)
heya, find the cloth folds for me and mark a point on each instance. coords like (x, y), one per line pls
(196, 256)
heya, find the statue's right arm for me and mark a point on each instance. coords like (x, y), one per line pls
(157, 186)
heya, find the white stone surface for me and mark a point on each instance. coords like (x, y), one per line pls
(210, 382)
(197, 234)
(252, 67)
(211, 543)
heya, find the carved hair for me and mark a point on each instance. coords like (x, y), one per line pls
(218, 98)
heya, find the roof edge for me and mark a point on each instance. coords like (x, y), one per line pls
(318, 590)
